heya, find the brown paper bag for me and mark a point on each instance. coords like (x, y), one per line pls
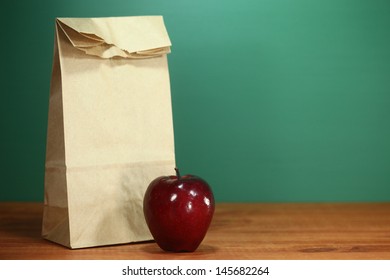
(110, 129)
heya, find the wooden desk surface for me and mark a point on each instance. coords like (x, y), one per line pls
(238, 231)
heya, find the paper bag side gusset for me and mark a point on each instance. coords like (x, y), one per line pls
(55, 224)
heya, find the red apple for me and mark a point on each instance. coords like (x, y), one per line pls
(178, 211)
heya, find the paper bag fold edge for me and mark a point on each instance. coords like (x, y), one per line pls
(124, 37)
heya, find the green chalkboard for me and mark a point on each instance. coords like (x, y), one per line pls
(273, 100)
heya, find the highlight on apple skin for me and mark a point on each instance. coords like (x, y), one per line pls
(178, 211)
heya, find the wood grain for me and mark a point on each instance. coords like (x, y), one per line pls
(238, 231)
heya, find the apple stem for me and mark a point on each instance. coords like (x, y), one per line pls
(177, 173)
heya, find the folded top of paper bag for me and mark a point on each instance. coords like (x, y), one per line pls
(129, 37)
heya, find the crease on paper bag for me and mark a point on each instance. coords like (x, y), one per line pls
(107, 39)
